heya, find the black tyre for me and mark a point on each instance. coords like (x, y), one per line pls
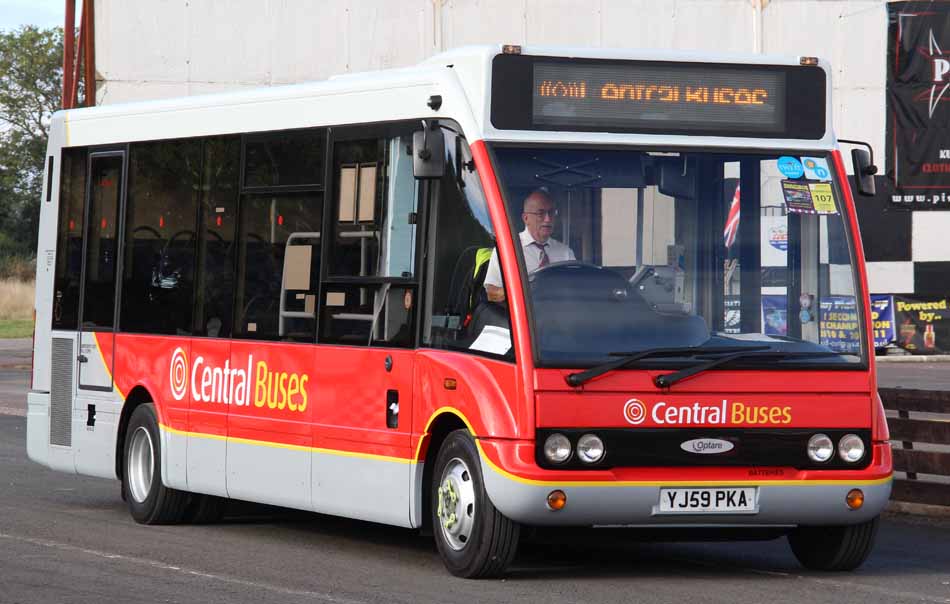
(835, 548)
(205, 509)
(474, 539)
(149, 500)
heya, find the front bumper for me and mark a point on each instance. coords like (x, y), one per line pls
(630, 497)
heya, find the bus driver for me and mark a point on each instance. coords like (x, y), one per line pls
(539, 248)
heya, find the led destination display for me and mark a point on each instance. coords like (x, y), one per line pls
(543, 93)
(649, 96)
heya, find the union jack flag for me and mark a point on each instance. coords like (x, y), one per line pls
(732, 222)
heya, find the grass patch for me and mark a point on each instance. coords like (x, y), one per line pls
(16, 299)
(16, 328)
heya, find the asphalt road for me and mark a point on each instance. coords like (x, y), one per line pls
(66, 538)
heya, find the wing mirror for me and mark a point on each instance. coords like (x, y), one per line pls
(864, 168)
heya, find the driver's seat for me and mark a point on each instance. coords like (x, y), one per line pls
(471, 291)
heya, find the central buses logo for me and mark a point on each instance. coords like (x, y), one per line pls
(725, 413)
(635, 411)
(253, 384)
(178, 374)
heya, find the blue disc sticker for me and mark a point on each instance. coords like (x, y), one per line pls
(790, 167)
(816, 168)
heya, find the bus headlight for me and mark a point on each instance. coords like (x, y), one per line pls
(590, 448)
(557, 448)
(851, 448)
(820, 448)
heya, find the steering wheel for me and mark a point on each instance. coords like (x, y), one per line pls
(563, 268)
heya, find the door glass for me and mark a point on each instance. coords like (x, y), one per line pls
(101, 243)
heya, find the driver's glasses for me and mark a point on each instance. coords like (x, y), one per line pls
(541, 214)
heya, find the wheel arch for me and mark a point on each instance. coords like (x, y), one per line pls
(442, 423)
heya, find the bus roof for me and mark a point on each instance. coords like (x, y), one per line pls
(461, 77)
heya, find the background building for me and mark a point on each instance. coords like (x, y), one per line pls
(165, 48)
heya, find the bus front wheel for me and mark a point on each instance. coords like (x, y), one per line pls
(835, 548)
(474, 539)
(149, 501)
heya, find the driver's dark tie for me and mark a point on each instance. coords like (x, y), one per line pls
(543, 257)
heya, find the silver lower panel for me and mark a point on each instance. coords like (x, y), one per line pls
(779, 505)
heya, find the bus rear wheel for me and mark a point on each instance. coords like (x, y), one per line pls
(149, 500)
(474, 539)
(835, 548)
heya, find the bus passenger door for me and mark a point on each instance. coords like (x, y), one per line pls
(97, 312)
(96, 406)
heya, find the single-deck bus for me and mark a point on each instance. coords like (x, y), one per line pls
(509, 287)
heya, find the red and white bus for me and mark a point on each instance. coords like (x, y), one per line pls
(505, 288)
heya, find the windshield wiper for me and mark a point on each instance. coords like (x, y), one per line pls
(628, 358)
(667, 380)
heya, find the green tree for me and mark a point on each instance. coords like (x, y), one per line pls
(30, 91)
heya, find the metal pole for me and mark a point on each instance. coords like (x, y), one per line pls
(90, 48)
(74, 81)
(69, 52)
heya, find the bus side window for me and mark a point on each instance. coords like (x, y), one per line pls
(370, 288)
(160, 236)
(279, 237)
(69, 239)
(216, 235)
(275, 229)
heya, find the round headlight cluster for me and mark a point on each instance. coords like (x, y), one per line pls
(558, 449)
(590, 449)
(851, 448)
(821, 448)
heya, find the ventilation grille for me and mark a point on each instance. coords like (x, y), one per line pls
(61, 393)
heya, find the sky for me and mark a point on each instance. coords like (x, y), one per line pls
(42, 13)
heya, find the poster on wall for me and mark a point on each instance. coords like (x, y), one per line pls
(882, 320)
(918, 104)
(923, 324)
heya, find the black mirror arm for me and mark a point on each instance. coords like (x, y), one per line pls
(424, 153)
(871, 169)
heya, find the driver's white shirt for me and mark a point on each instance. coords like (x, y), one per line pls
(556, 251)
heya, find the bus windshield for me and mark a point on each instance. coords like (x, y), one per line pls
(623, 251)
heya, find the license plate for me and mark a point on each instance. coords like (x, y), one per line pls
(701, 501)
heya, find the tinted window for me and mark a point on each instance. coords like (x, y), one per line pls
(101, 242)
(72, 191)
(350, 313)
(288, 158)
(278, 266)
(369, 296)
(216, 250)
(375, 209)
(159, 254)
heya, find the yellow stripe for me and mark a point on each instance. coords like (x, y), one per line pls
(436, 413)
(95, 336)
(675, 483)
(273, 445)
